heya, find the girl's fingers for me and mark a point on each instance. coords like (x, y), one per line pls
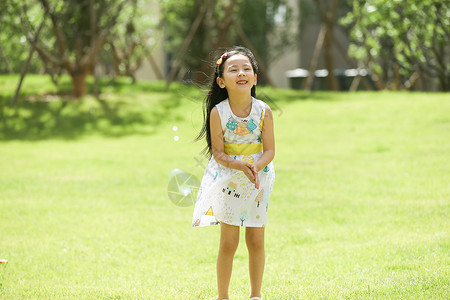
(257, 181)
(250, 175)
(251, 178)
(253, 175)
(250, 169)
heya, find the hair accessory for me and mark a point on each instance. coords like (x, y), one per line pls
(219, 61)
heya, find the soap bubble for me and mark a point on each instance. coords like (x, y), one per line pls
(174, 129)
(183, 187)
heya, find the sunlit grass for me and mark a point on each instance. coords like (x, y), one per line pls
(359, 209)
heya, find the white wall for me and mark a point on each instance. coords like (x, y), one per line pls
(291, 58)
(146, 72)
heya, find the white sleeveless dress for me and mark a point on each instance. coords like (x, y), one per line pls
(227, 195)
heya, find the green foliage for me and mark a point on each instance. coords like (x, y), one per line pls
(47, 112)
(13, 42)
(412, 35)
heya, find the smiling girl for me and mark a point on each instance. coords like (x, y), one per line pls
(239, 178)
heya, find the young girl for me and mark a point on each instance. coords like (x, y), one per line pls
(238, 180)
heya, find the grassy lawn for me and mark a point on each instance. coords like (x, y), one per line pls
(360, 207)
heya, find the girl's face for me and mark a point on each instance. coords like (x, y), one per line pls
(238, 74)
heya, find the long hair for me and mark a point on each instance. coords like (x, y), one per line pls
(216, 94)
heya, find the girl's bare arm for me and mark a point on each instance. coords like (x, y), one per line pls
(268, 141)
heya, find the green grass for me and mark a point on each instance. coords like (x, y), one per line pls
(359, 209)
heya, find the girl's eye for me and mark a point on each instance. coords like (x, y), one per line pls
(233, 70)
(247, 69)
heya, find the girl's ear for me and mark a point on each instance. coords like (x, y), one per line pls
(220, 82)
(256, 79)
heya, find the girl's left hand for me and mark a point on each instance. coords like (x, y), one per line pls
(255, 174)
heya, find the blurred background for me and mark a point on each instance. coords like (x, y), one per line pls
(300, 44)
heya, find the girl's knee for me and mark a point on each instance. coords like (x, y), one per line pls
(255, 240)
(229, 245)
(255, 243)
(229, 238)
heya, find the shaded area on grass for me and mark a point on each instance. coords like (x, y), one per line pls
(61, 119)
(121, 110)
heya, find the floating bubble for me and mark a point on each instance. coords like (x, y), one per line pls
(182, 188)
(175, 172)
(176, 138)
(175, 128)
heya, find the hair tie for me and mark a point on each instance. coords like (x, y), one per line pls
(219, 61)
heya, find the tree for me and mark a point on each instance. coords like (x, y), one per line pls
(80, 30)
(402, 41)
(77, 33)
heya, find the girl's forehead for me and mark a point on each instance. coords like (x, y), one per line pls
(238, 59)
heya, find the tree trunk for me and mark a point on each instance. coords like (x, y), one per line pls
(328, 55)
(315, 59)
(154, 66)
(329, 62)
(79, 83)
(329, 16)
(27, 63)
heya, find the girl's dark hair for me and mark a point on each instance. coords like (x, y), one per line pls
(216, 94)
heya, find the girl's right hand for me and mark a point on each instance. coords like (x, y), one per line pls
(251, 173)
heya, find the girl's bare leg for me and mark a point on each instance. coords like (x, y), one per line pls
(229, 240)
(254, 237)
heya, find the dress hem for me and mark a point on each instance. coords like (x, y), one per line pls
(218, 222)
